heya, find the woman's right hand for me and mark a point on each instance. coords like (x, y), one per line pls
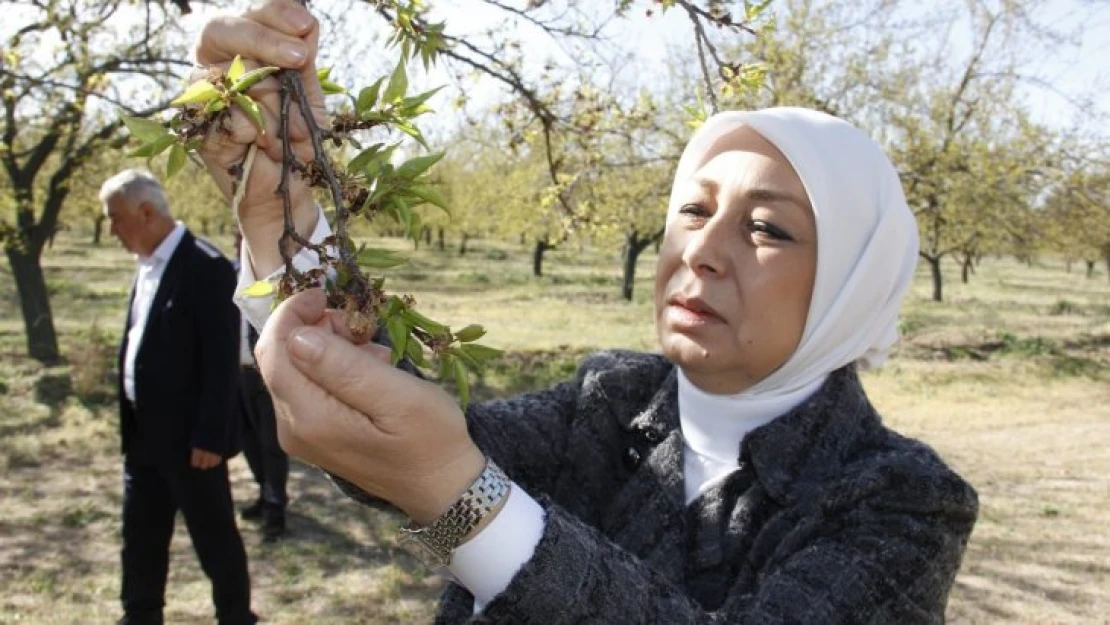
(281, 33)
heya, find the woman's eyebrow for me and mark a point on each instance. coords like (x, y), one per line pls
(775, 195)
(758, 194)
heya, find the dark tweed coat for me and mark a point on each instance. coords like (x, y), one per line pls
(832, 518)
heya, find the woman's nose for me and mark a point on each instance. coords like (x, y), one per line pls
(705, 251)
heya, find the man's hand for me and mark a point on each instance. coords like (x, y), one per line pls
(204, 460)
(280, 33)
(342, 407)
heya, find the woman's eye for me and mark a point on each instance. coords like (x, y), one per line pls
(770, 230)
(694, 210)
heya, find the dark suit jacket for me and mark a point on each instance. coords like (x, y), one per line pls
(834, 519)
(186, 370)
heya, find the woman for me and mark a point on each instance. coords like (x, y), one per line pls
(740, 477)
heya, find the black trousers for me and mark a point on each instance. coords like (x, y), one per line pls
(268, 462)
(152, 495)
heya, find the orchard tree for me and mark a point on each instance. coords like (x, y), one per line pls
(66, 65)
(1078, 208)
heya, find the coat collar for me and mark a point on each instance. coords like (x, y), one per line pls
(174, 269)
(806, 444)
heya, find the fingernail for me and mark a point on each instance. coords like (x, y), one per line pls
(300, 20)
(307, 344)
(294, 53)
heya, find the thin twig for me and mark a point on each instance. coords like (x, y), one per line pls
(324, 163)
(289, 232)
(244, 176)
(699, 35)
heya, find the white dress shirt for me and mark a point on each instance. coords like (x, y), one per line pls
(147, 281)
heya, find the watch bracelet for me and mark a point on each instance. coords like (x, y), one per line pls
(446, 532)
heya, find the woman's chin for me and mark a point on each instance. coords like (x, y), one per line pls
(689, 352)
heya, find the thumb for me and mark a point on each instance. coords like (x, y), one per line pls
(353, 374)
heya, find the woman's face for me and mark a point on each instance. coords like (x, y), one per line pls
(736, 266)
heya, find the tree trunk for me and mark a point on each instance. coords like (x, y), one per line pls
(462, 244)
(42, 340)
(1090, 269)
(934, 267)
(98, 227)
(537, 257)
(633, 247)
(427, 236)
(966, 269)
(439, 237)
(1067, 265)
(206, 227)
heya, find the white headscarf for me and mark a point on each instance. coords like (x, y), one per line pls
(866, 235)
(867, 246)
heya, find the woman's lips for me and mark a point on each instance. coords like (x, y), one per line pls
(691, 313)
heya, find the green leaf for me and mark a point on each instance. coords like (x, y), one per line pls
(480, 353)
(401, 211)
(235, 71)
(379, 258)
(430, 195)
(199, 92)
(145, 130)
(465, 358)
(420, 321)
(156, 147)
(462, 383)
(411, 104)
(446, 366)
(215, 106)
(398, 84)
(251, 108)
(331, 88)
(411, 131)
(398, 335)
(252, 78)
(176, 160)
(364, 158)
(412, 168)
(261, 288)
(368, 97)
(415, 353)
(470, 333)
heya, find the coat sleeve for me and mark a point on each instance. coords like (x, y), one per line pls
(217, 358)
(890, 558)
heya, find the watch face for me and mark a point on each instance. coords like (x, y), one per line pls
(412, 543)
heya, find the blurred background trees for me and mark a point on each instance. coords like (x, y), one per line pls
(563, 120)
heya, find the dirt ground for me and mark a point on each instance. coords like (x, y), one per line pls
(1009, 380)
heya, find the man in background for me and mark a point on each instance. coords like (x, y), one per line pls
(177, 397)
(268, 462)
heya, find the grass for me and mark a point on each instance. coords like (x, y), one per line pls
(1008, 379)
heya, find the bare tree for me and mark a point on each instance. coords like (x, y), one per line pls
(67, 65)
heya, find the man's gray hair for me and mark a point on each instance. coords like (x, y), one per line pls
(136, 186)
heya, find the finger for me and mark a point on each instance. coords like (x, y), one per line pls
(288, 16)
(224, 38)
(353, 375)
(339, 323)
(302, 309)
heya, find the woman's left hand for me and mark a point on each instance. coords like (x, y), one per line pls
(343, 408)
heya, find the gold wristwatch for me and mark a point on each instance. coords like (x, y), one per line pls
(433, 544)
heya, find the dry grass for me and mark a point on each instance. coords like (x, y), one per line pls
(1008, 380)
